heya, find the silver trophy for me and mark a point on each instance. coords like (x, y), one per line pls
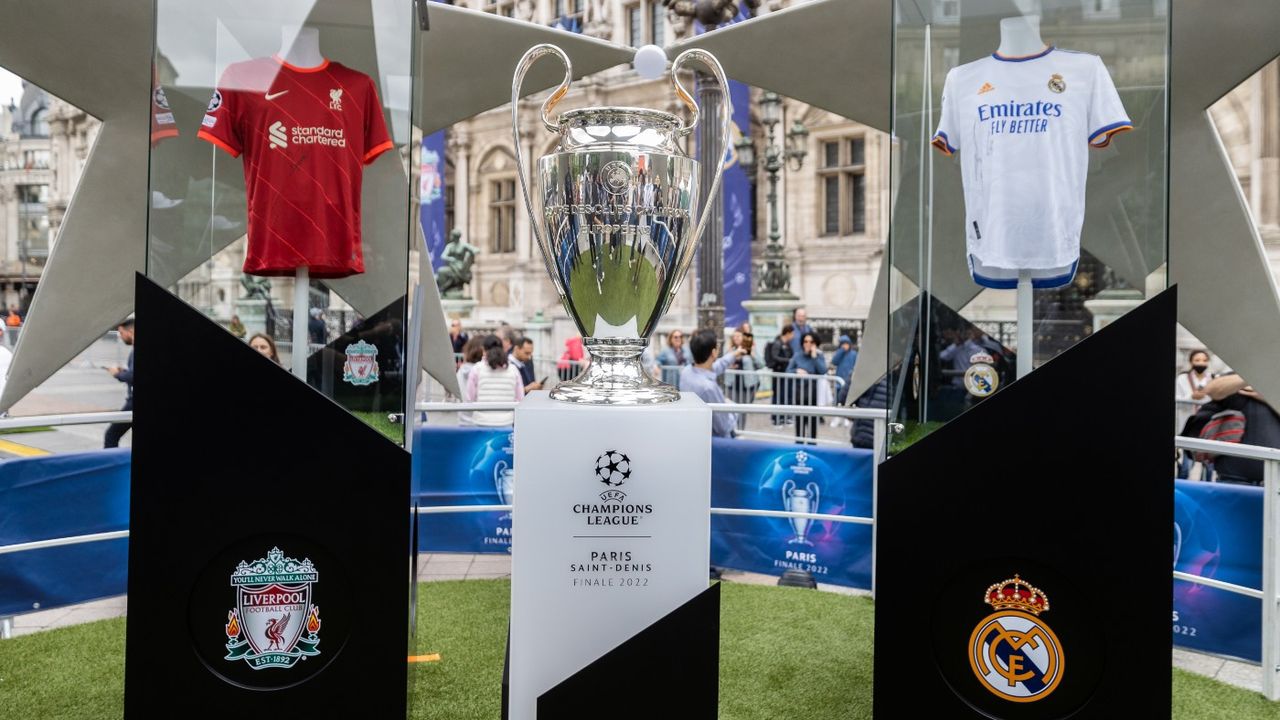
(800, 500)
(618, 227)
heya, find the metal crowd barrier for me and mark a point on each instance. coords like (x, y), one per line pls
(1269, 593)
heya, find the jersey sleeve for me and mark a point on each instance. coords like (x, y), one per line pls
(1106, 113)
(376, 139)
(947, 138)
(220, 125)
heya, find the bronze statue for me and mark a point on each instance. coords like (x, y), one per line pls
(255, 288)
(458, 257)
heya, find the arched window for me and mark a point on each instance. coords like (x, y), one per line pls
(39, 123)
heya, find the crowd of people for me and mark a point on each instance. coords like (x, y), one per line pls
(499, 367)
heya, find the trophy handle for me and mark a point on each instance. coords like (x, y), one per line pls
(787, 487)
(522, 68)
(726, 117)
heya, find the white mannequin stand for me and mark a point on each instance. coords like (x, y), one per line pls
(1019, 37)
(300, 47)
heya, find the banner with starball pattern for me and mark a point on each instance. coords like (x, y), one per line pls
(475, 466)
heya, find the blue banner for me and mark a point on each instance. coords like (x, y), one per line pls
(42, 498)
(739, 199)
(775, 476)
(473, 466)
(431, 194)
(1217, 533)
(463, 466)
(739, 213)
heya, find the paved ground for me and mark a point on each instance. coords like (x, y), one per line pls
(454, 566)
(81, 386)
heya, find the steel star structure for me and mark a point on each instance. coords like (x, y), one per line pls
(832, 54)
(87, 284)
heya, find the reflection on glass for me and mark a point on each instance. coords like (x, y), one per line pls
(1028, 97)
(276, 206)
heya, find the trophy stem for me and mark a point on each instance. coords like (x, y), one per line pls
(615, 376)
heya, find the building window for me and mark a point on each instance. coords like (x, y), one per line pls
(1101, 9)
(568, 15)
(449, 218)
(505, 8)
(946, 12)
(646, 23)
(502, 216)
(635, 26)
(842, 179)
(35, 159)
(657, 22)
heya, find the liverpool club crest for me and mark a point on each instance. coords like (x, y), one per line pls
(274, 623)
(361, 367)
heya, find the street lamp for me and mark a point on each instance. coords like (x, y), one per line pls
(773, 280)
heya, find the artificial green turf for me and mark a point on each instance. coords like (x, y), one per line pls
(784, 653)
(380, 422)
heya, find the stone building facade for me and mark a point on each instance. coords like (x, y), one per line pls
(833, 212)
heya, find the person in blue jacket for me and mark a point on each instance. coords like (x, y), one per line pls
(809, 361)
(844, 359)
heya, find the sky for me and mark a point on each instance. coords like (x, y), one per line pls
(10, 87)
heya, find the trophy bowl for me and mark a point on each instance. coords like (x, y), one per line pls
(617, 225)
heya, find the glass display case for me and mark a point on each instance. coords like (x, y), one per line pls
(279, 189)
(1029, 185)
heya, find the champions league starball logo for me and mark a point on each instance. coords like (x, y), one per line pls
(613, 468)
(799, 499)
(801, 482)
(492, 471)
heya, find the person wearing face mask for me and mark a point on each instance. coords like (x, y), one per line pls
(1189, 388)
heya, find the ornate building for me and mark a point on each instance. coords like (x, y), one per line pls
(833, 212)
(26, 180)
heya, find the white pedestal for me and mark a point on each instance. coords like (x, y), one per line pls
(253, 313)
(594, 563)
(1109, 305)
(458, 307)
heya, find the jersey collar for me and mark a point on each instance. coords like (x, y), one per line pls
(295, 68)
(1022, 58)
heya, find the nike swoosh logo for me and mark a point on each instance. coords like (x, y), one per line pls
(273, 96)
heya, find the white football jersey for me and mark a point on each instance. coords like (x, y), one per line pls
(1023, 127)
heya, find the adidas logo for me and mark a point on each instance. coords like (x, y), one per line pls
(986, 88)
(278, 137)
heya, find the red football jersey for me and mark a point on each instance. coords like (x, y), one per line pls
(305, 134)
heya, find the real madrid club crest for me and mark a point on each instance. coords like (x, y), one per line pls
(981, 379)
(1012, 651)
(274, 624)
(361, 366)
(1057, 84)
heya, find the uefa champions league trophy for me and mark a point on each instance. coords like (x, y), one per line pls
(800, 500)
(618, 227)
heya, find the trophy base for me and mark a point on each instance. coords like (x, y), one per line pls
(615, 376)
